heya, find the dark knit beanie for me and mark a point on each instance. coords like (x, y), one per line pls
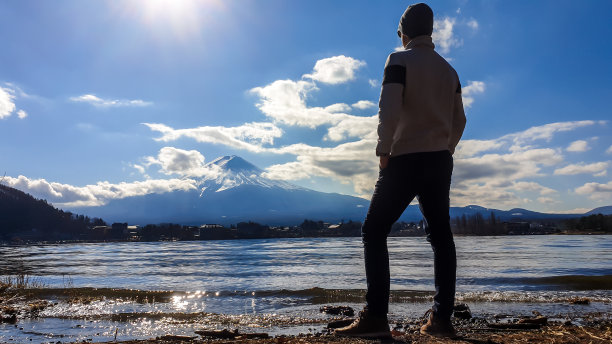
(416, 21)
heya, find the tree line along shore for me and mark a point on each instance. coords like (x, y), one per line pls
(25, 219)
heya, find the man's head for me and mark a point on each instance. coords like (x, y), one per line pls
(417, 20)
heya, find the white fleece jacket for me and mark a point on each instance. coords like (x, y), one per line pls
(420, 107)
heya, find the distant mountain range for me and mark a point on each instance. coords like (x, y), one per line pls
(240, 193)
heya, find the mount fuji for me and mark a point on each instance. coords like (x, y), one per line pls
(237, 193)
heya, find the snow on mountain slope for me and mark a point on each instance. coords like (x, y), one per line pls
(237, 172)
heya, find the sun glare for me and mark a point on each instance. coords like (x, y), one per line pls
(184, 19)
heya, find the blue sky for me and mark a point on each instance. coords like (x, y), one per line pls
(108, 99)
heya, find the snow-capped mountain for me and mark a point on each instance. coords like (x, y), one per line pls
(237, 172)
(236, 192)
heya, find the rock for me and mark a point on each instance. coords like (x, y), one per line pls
(340, 323)
(221, 334)
(580, 301)
(338, 310)
(541, 320)
(176, 337)
(261, 335)
(462, 311)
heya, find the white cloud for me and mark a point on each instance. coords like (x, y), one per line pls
(249, 136)
(609, 150)
(7, 104)
(335, 70)
(8, 94)
(364, 104)
(503, 178)
(468, 148)
(373, 82)
(443, 35)
(338, 107)
(596, 191)
(570, 211)
(65, 195)
(597, 169)
(510, 166)
(103, 103)
(352, 126)
(578, 146)
(186, 163)
(544, 132)
(548, 200)
(533, 187)
(351, 162)
(284, 101)
(473, 24)
(468, 92)
(499, 172)
(140, 169)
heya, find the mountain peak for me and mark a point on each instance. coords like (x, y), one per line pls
(235, 163)
(237, 172)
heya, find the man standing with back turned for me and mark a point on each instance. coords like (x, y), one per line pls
(421, 120)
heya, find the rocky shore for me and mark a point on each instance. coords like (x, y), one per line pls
(596, 331)
(18, 305)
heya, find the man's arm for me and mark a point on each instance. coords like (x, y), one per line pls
(459, 121)
(390, 105)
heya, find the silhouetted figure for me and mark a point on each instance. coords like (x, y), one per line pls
(421, 120)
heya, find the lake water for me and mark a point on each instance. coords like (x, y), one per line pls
(270, 282)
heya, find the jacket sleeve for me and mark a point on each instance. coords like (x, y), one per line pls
(459, 121)
(390, 104)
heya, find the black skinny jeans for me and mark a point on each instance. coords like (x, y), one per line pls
(426, 176)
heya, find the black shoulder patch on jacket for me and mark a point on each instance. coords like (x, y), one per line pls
(395, 74)
(459, 87)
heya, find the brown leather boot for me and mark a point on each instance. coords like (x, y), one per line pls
(366, 326)
(438, 328)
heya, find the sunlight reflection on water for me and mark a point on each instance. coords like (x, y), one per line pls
(279, 284)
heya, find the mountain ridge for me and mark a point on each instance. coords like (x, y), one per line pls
(239, 193)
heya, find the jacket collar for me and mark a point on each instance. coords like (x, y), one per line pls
(421, 41)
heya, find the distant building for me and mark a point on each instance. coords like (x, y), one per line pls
(132, 232)
(210, 226)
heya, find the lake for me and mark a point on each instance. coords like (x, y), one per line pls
(283, 278)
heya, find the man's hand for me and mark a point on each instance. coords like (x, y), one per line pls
(384, 161)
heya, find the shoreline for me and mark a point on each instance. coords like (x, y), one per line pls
(488, 322)
(598, 329)
(69, 242)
